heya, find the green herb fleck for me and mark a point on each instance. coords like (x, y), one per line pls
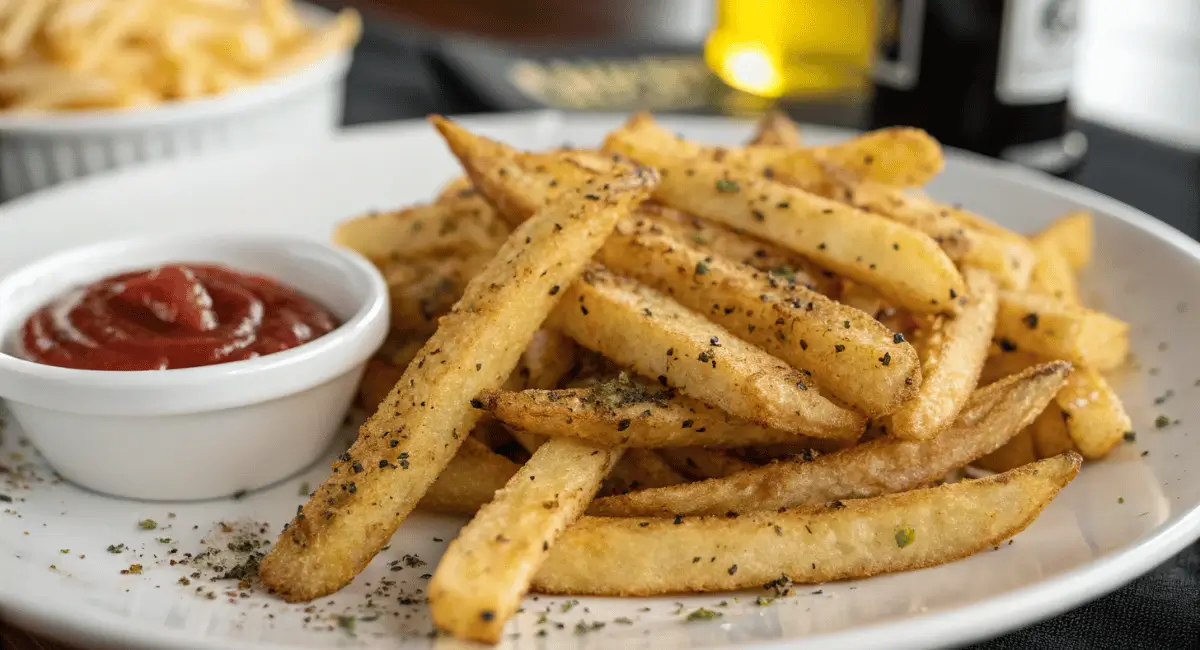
(165, 540)
(726, 186)
(116, 548)
(701, 268)
(703, 614)
(148, 524)
(305, 488)
(569, 605)
(1162, 422)
(905, 536)
(763, 601)
(623, 620)
(1120, 499)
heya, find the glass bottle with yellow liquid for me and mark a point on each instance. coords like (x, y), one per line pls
(793, 48)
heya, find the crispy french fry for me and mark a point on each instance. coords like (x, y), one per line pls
(1050, 436)
(776, 129)
(456, 226)
(622, 412)
(1052, 275)
(851, 539)
(739, 247)
(460, 187)
(951, 361)
(1095, 419)
(423, 290)
(1016, 452)
(378, 380)
(701, 463)
(1073, 236)
(469, 481)
(1055, 330)
(485, 572)
(1001, 363)
(849, 353)
(20, 26)
(641, 469)
(700, 358)
(883, 466)
(340, 34)
(408, 442)
(904, 264)
(898, 156)
(548, 358)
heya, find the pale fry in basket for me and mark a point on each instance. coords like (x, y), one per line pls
(682, 349)
(904, 264)
(851, 539)
(849, 353)
(486, 571)
(951, 360)
(1055, 330)
(622, 412)
(883, 466)
(408, 442)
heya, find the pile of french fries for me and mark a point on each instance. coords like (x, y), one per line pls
(663, 367)
(58, 55)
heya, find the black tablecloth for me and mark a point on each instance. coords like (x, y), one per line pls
(397, 77)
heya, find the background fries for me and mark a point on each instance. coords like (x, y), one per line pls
(67, 55)
(709, 375)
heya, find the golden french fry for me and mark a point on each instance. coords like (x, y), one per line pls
(951, 360)
(622, 412)
(1050, 436)
(410, 440)
(469, 481)
(485, 572)
(700, 358)
(20, 26)
(641, 469)
(460, 187)
(849, 353)
(1016, 452)
(423, 290)
(897, 156)
(776, 129)
(883, 466)
(452, 226)
(850, 539)
(1073, 236)
(379, 378)
(547, 359)
(701, 463)
(1055, 330)
(1095, 419)
(905, 265)
(1052, 275)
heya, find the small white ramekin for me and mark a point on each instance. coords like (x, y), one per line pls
(194, 433)
(40, 150)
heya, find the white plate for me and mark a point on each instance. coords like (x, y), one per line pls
(1118, 519)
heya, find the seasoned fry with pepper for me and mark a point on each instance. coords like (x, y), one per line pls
(1056, 330)
(700, 358)
(638, 556)
(904, 264)
(882, 466)
(410, 440)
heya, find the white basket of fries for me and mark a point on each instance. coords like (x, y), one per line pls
(92, 85)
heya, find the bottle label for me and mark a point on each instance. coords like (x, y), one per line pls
(1037, 51)
(898, 59)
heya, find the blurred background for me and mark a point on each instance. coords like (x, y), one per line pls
(1105, 92)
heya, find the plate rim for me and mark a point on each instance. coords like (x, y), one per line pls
(987, 618)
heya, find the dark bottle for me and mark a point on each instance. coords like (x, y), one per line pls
(991, 76)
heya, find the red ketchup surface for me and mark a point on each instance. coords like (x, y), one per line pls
(176, 316)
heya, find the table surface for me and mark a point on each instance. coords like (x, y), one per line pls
(393, 79)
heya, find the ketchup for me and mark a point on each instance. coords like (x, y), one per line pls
(176, 316)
